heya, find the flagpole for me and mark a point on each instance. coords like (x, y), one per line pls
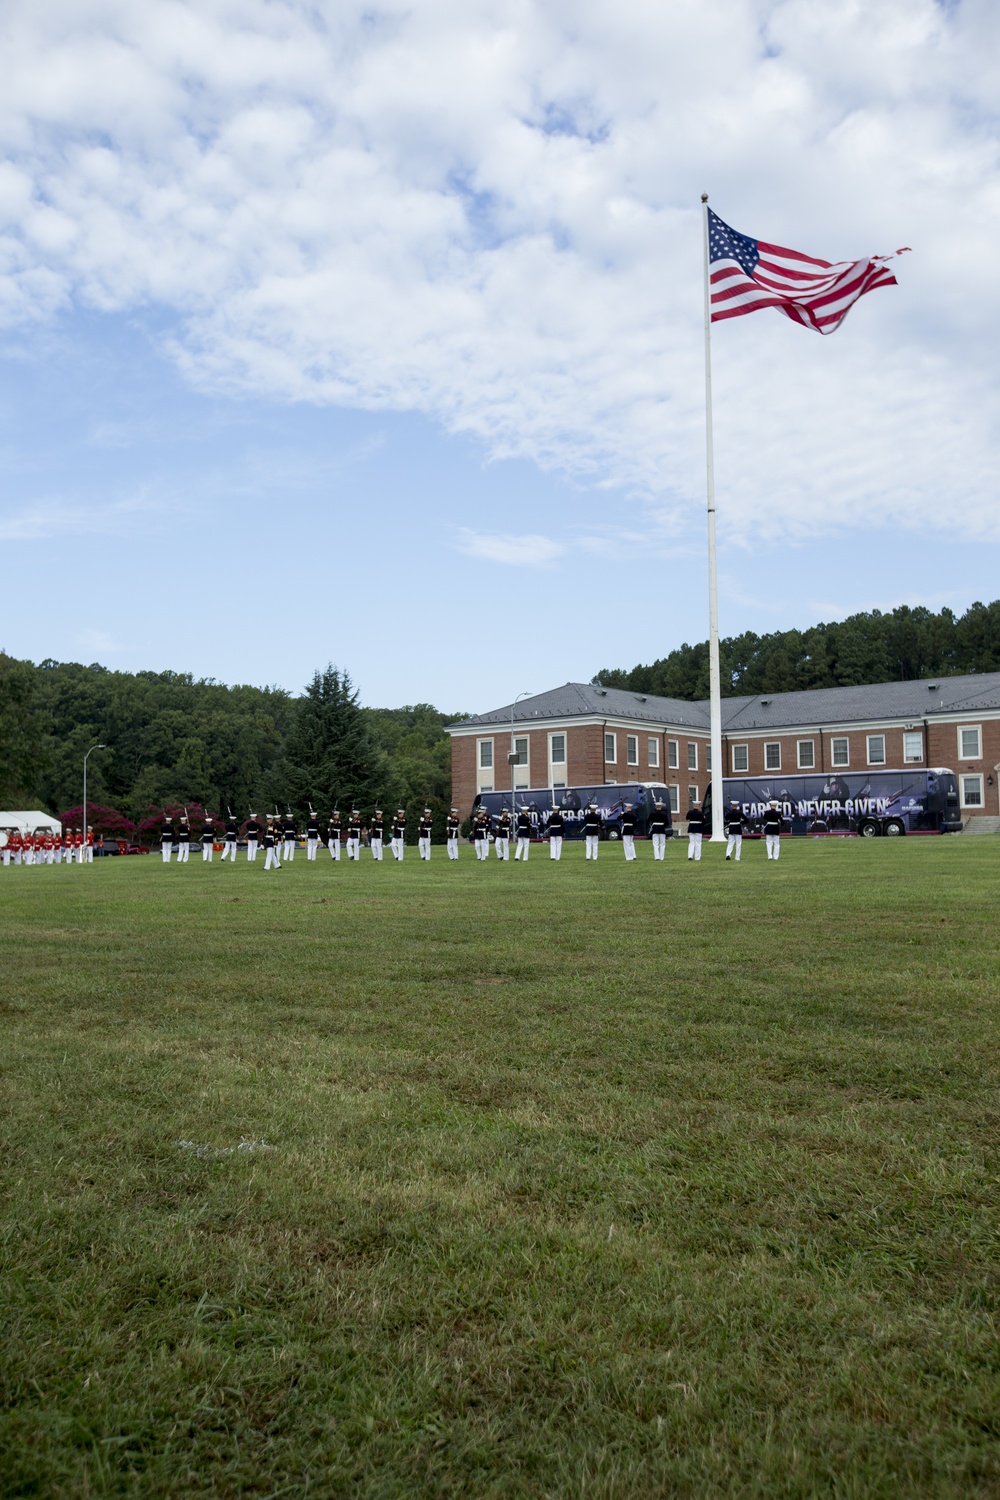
(715, 681)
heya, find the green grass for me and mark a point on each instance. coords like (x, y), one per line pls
(584, 1181)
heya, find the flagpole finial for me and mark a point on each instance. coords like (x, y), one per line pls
(704, 197)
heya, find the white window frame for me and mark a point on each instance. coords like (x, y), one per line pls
(835, 740)
(978, 778)
(708, 755)
(522, 780)
(612, 759)
(805, 765)
(868, 749)
(913, 760)
(772, 745)
(673, 755)
(653, 752)
(562, 764)
(482, 765)
(737, 769)
(693, 795)
(977, 730)
(674, 797)
(692, 755)
(631, 749)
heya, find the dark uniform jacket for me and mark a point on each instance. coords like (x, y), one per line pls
(208, 834)
(734, 821)
(288, 831)
(696, 820)
(399, 828)
(378, 829)
(524, 826)
(354, 828)
(503, 826)
(658, 820)
(253, 829)
(312, 828)
(184, 832)
(591, 825)
(426, 828)
(269, 837)
(452, 827)
(167, 836)
(628, 825)
(232, 831)
(772, 821)
(484, 824)
(555, 824)
(334, 830)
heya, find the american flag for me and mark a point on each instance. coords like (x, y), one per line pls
(747, 274)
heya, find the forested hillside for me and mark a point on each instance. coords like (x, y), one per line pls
(899, 646)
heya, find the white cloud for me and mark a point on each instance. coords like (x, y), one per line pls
(487, 212)
(517, 551)
(42, 519)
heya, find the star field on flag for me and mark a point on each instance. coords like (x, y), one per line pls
(747, 274)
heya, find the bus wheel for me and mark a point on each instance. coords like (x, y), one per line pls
(894, 829)
(869, 829)
(613, 834)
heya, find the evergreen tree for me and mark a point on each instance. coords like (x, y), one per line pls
(22, 731)
(331, 756)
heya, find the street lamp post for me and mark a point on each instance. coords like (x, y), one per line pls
(512, 757)
(84, 830)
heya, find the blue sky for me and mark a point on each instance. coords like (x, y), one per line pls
(375, 337)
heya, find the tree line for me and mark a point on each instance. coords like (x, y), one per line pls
(902, 645)
(174, 741)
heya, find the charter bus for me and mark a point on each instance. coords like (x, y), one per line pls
(869, 803)
(573, 800)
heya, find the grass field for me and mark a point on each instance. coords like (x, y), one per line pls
(578, 1181)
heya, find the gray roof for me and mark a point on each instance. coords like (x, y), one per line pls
(841, 705)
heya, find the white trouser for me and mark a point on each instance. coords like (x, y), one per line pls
(424, 848)
(90, 854)
(773, 844)
(271, 860)
(166, 846)
(628, 842)
(694, 845)
(29, 856)
(50, 856)
(734, 843)
(251, 851)
(206, 853)
(396, 845)
(503, 846)
(334, 847)
(289, 849)
(482, 848)
(555, 846)
(376, 848)
(18, 856)
(5, 855)
(183, 850)
(453, 848)
(59, 854)
(311, 846)
(592, 842)
(354, 848)
(229, 851)
(523, 846)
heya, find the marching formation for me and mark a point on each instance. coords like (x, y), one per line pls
(46, 847)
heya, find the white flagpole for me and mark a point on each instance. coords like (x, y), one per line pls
(715, 685)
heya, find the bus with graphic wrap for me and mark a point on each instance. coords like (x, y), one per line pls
(868, 803)
(572, 802)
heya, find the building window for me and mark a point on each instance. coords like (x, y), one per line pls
(653, 752)
(972, 791)
(632, 749)
(841, 751)
(913, 748)
(557, 757)
(675, 798)
(520, 764)
(610, 748)
(806, 754)
(876, 749)
(673, 760)
(970, 742)
(708, 755)
(692, 796)
(741, 757)
(772, 756)
(486, 755)
(692, 755)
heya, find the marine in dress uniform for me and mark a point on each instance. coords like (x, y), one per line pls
(503, 835)
(354, 835)
(167, 839)
(288, 836)
(772, 831)
(628, 832)
(229, 843)
(451, 832)
(207, 840)
(333, 832)
(481, 833)
(377, 835)
(49, 845)
(398, 841)
(555, 828)
(272, 860)
(696, 827)
(424, 830)
(89, 846)
(522, 827)
(16, 845)
(734, 831)
(312, 835)
(592, 830)
(253, 837)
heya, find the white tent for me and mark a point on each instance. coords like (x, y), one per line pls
(28, 822)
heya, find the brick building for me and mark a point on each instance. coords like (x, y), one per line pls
(584, 734)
